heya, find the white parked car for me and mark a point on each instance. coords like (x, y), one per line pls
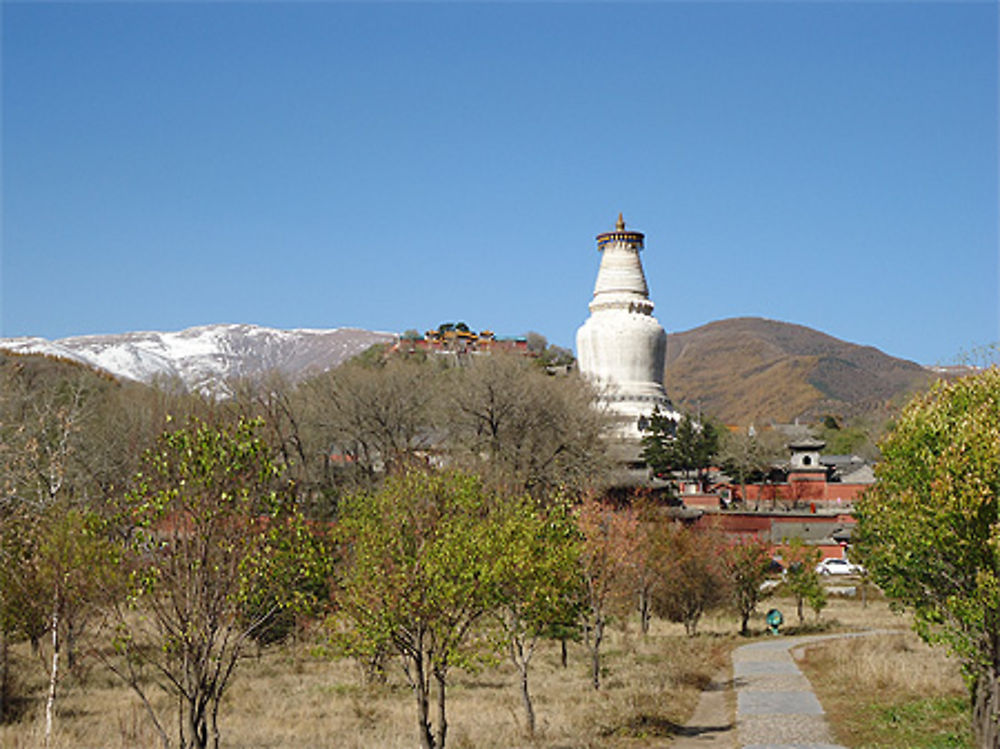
(838, 567)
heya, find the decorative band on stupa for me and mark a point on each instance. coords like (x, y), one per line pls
(633, 239)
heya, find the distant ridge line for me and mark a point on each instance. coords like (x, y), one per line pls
(750, 369)
(739, 370)
(205, 357)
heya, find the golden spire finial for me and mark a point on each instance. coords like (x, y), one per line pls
(620, 226)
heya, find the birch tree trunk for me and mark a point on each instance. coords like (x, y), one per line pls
(50, 701)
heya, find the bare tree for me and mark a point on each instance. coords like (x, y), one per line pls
(747, 455)
(271, 398)
(371, 419)
(42, 417)
(524, 429)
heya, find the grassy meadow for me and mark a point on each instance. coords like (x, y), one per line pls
(293, 695)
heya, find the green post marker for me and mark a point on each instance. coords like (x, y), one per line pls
(774, 620)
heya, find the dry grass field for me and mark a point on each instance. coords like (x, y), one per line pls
(890, 691)
(292, 696)
(886, 691)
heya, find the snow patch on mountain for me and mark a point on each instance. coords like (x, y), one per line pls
(205, 358)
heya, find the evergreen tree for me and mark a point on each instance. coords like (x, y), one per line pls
(686, 446)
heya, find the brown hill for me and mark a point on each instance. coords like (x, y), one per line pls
(43, 370)
(749, 369)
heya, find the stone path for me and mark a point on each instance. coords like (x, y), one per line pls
(775, 707)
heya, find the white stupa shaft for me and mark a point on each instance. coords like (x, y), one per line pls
(621, 346)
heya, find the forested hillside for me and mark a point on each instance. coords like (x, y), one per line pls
(749, 369)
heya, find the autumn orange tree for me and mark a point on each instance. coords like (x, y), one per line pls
(692, 579)
(645, 576)
(746, 563)
(610, 542)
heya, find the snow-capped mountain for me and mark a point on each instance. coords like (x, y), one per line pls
(206, 357)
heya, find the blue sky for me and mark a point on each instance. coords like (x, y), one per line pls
(394, 166)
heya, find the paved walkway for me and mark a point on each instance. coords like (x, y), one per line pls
(775, 707)
(775, 704)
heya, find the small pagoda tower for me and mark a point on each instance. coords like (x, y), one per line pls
(621, 346)
(804, 461)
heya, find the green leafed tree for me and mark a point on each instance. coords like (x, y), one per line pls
(801, 577)
(538, 581)
(213, 549)
(23, 610)
(71, 560)
(420, 557)
(929, 530)
(686, 446)
(48, 552)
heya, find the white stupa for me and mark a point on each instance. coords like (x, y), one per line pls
(621, 346)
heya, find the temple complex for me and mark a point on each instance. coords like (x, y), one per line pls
(621, 346)
(622, 349)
